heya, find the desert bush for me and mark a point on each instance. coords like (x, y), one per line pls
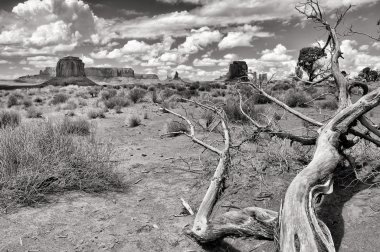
(234, 114)
(166, 93)
(181, 88)
(79, 126)
(154, 96)
(70, 105)
(151, 88)
(218, 93)
(13, 100)
(108, 93)
(279, 156)
(59, 98)
(9, 118)
(70, 113)
(194, 86)
(282, 86)
(33, 112)
(94, 91)
(134, 121)
(27, 102)
(82, 102)
(175, 128)
(96, 113)
(187, 94)
(296, 98)
(136, 94)
(330, 103)
(118, 109)
(38, 99)
(208, 117)
(116, 101)
(37, 160)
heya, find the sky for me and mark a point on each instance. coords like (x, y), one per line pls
(197, 38)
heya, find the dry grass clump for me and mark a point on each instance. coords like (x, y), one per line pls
(33, 112)
(96, 113)
(136, 94)
(69, 105)
(279, 156)
(9, 118)
(38, 160)
(14, 99)
(38, 100)
(59, 98)
(79, 126)
(134, 121)
(117, 101)
(234, 114)
(176, 128)
(296, 98)
(330, 104)
(108, 93)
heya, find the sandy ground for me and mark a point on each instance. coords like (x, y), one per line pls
(145, 217)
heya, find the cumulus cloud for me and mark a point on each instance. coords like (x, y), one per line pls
(4, 61)
(277, 54)
(355, 60)
(46, 26)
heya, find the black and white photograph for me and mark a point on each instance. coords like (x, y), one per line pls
(189, 125)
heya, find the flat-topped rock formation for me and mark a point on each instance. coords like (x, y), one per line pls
(146, 76)
(108, 72)
(238, 69)
(70, 67)
(70, 71)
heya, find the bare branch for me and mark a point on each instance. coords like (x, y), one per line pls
(192, 133)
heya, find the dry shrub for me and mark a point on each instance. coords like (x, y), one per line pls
(38, 100)
(134, 121)
(367, 164)
(166, 93)
(296, 98)
(33, 112)
(234, 114)
(120, 101)
(79, 126)
(94, 91)
(282, 86)
(70, 105)
(9, 118)
(330, 103)
(175, 128)
(118, 109)
(38, 160)
(96, 113)
(13, 100)
(108, 93)
(278, 155)
(136, 94)
(27, 102)
(59, 98)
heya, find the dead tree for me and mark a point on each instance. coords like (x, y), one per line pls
(296, 226)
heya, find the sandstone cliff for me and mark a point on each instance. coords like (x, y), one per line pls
(102, 72)
(70, 67)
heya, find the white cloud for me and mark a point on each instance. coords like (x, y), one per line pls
(46, 26)
(376, 45)
(198, 39)
(354, 60)
(4, 61)
(277, 54)
(235, 39)
(87, 60)
(363, 47)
